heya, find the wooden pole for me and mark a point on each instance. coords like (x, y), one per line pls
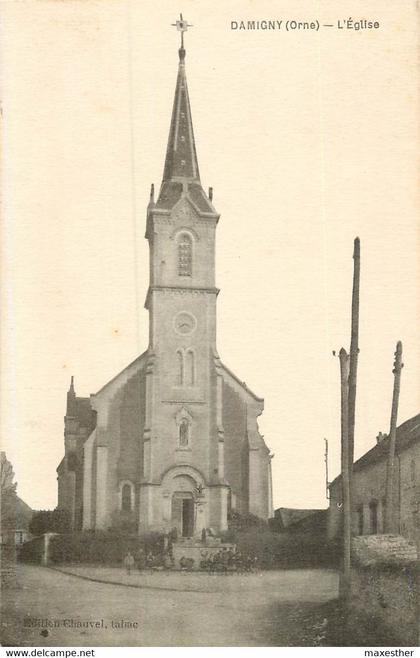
(390, 525)
(327, 483)
(345, 472)
(354, 351)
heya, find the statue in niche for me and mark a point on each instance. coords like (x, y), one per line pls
(183, 433)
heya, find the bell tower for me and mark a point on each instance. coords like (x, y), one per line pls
(181, 300)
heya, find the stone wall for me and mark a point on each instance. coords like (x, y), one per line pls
(234, 424)
(385, 550)
(7, 565)
(385, 586)
(409, 516)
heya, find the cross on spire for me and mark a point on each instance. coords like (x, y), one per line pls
(181, 158)
(182, 26)
(181, 174)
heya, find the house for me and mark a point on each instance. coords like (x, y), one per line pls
(369, 481)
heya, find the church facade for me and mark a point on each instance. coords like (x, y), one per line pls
(173, 440)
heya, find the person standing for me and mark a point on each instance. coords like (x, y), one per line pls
(140, 559)
(129, 562)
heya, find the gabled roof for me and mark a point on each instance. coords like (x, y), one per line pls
(24, 514)
(407, 434)
(130, 367)
(290, 516)
(231, 375)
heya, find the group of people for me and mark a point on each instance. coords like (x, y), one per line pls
(142, 560)
(227, 560)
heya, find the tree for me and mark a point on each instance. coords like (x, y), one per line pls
(8, 499)
(8, 523)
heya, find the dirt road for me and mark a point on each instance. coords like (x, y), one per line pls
(275, 608)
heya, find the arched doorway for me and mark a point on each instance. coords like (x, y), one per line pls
(183, 513)
(185, 503)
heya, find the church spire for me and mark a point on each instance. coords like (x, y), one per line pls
(181, 158)
(71, 398)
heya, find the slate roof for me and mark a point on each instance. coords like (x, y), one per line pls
(23, 514)
(181, 157)
(181, 174)
(85, 414)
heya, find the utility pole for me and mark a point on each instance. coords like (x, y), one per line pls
(354, 352)
(327, 484)
(345, 473)
(390, 525)
(348, 373)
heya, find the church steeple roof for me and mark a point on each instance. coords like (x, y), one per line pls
(181, 156)
(181, 175)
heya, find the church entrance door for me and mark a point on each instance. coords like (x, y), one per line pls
(187, 517)
(183, 513)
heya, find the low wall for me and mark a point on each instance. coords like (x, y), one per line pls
(385, 585)
(8, 565)
(37, 549)
(33, 550)
(371, 550)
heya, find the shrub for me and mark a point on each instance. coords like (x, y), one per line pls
(32, 551)
(238, 522)
(57, 520)
(103, 547)
(286, 551)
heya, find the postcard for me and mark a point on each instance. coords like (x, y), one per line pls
(210, 299)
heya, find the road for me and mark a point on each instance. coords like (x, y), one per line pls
(275, 608)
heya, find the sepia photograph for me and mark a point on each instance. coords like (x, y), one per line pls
(210, 350)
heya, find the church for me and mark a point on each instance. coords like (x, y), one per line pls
(172, 441)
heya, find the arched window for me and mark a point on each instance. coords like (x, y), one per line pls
(126, 505)
(184, 433)
(184, 255)
(180, 366)
(190, 368)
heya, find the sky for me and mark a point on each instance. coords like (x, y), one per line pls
(308, 139)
